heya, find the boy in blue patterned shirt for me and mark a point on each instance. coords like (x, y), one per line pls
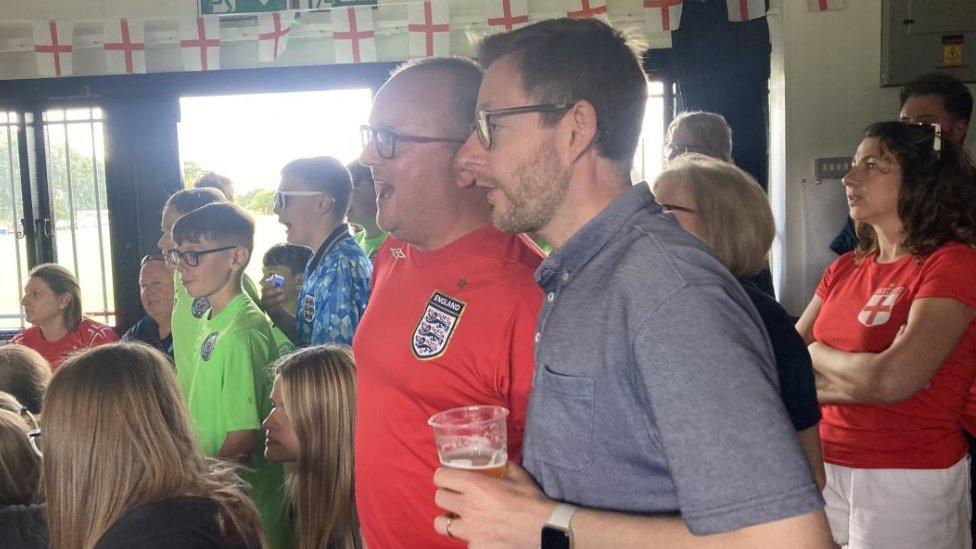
(312, 202)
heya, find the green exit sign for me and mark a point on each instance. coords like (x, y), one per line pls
(208, 7)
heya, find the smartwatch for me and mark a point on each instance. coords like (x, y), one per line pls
(556, 534)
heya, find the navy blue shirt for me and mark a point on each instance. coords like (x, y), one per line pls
(147, 331)
(793, 365)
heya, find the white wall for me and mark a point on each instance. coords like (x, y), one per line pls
(825, 89)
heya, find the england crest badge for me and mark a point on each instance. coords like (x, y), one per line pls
(208, 345)
(436, 326)
(877, 311)
(308, 308)
(200, 306)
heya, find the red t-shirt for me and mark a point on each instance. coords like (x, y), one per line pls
(864, 306)
(88, 334)
(443, 329)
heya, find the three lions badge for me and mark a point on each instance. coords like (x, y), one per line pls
(436, 326)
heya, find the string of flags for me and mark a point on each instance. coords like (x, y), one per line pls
(352, 31)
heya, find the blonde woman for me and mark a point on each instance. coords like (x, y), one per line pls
(725, 207)
(21, 517)
(52, 304)
(311, 426)
(122, 467)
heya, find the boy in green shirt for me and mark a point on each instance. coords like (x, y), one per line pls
(227, 382)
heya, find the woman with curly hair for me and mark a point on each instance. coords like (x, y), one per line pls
(122, 467)
(892, 339)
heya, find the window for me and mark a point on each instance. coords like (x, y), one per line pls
(13, 246)
(75, 155)
(649, 159)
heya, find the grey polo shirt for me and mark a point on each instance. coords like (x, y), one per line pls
(655, 389)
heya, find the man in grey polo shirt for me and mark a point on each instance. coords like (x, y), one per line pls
(654, 418)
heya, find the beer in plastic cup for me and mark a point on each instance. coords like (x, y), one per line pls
(472, 438)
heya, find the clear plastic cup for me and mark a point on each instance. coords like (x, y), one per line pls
(472, 438)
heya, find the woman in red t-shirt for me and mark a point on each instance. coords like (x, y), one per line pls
(52, 303)
(892, 339)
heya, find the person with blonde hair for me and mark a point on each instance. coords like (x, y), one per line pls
(24, 373)
(122, 466)
(52, 303)
(21, 515)
(311, 426)
(725, 207)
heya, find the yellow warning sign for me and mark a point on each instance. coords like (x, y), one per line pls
(952, 50)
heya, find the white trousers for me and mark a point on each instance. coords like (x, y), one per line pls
(899, 508)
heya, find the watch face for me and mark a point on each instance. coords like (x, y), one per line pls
(554, 538)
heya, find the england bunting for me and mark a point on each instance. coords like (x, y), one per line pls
(745, 10)
(353, 36)
(124, 43)
(273, 31)
(662, 15)
(827, 5)
(585, 9)
(429, 24)
(200, 42)
(52, 47)
(505, 15)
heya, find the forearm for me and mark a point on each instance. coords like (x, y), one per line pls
(854, 374)
(238, 446)
(599, 529)
(834, 392)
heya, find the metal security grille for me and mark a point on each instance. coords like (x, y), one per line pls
(13, 248)
(75, 154)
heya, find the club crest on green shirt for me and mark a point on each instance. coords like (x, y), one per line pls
(208, 346)
(200, 306)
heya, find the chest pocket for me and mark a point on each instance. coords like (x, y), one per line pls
(565, 435)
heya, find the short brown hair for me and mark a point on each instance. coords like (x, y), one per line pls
(732, 208)
(61, 281)
(20, 474)
(218, 221)
(325, 174)
(937, 198)
(187, 200)
(569, 60)
(24, 373)
(210, 180)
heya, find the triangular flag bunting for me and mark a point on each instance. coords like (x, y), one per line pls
(273, 31)
(52, 47)
(124, 43)
(505, 15)
(429, 24)
(584, 9)
(745, 10)
(662, 15)
(200, 42)
(827, 5)
(353, 35)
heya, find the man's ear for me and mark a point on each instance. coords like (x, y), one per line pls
(240, 257)
(959, 129)
(583, 131)
(326, 203)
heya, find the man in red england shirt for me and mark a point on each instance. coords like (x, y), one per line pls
(451, 318)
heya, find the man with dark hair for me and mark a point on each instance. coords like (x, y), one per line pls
(452, 313)
(288, 262)
(312, 202)
(937, 98)
(227, 390)
(362, 209)
(655, 392)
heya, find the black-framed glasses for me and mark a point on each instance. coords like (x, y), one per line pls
(33, 437)
(151, 257)
(281, 197)
(192, 258)
(385, 140)
(485, 115)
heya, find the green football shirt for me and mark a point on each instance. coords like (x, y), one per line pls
(229, 391)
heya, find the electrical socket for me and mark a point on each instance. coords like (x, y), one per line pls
(832, 168)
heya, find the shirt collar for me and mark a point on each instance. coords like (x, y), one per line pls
(330, 241)
(572, 256)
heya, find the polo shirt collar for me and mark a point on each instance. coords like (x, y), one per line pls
(572, 256)
(330, 241)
